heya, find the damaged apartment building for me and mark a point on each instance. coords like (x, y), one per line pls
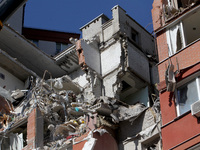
(97, 94)
(176, 24)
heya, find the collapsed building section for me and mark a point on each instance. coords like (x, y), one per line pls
(106, 100)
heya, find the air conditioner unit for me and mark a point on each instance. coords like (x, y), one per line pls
(195, 109)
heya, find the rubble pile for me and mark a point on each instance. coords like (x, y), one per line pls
(65, 113)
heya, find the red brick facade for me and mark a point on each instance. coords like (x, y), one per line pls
(31, 131)
(34, 130)
(178, 132)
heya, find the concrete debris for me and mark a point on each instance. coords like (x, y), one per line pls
(17, 94)
(101, 131)
(173, 11)
(66, 114)
(6, 94)
(126, 113)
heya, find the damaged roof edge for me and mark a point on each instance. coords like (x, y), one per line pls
(28, 49)
(101, 15)
(65, 52)
(23, 38)
(13, 60)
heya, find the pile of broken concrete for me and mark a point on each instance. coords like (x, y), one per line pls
(66, 114)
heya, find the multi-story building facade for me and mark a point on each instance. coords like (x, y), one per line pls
(176, 25)
(99, 95)
(117, 59)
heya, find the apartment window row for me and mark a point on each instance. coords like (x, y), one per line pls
(187, 93)
(183, 33)
(135, 36)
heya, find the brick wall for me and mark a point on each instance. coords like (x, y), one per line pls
(157, 14)
(187, 57)
(34, 130)
(31, 131)
(162, 45)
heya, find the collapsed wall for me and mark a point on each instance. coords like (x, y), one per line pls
(47, 116)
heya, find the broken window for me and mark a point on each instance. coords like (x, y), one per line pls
(187, 94)
(178, 4)
(191, 28)
(183, 33)
(174, 7)
(175, 38)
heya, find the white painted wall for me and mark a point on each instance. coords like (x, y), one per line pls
(10, 81)
(108, 31)
(108, 83)
(110, 58)
(138, 63)
(93, 27)
(92, 56)
(79, 77)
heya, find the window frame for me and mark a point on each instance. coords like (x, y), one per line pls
(180, 27)
(196, 77)
(137, 37)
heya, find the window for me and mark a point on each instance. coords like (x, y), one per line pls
(135, 36)
(187, 94)
(125, 86)
(183, 33)
(175, 38)
(180, 3)
(2, 76)
(60, 47)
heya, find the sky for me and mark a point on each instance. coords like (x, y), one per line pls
(71, 15)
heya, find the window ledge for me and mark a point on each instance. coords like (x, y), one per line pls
(178, 51)
(176, 119)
